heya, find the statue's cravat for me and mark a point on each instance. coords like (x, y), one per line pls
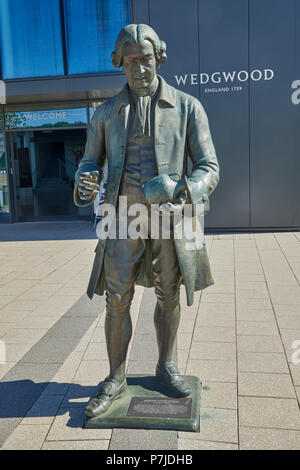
(142, 113)
(141, 120)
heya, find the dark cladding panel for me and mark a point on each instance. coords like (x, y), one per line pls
(274, 119)
(176, 24)
(223, 58)
(140, 11)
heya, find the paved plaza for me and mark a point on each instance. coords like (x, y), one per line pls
(240, 337)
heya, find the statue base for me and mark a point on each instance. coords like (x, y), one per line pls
(146, 405)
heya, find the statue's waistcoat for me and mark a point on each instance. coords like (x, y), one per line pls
(139, 167)
(140, 161)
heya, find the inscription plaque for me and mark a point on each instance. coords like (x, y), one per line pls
(157, 407)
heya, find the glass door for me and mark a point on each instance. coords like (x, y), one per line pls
(4, 191)
(43, 164)
(44, 148)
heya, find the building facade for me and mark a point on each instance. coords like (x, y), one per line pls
(241, 58)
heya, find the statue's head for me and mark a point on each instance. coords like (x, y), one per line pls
(139, 51)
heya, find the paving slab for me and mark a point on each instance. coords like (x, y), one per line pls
(142, 439)
(4, 368)
(91, 370)
(286, 322)
(214, 333)
(68, 426)
(44, 410)
(27, 437)
(219, 395)
(139, 367)
(282, 310)
(216, 424)
(212, 350)
(262, 412)
(95, 351)
(197, 444)
(23, 336)
(212, 370)
(257, 315)
(38, 321)
(265, 385)
(253, 328)
(262, 362)
(94, 444)
(269, 439)
(224, 319)
(259, 344)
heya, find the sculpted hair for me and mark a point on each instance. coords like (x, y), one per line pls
(136, 33)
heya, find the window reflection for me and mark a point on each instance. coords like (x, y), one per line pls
(91, 28)
(30, 38)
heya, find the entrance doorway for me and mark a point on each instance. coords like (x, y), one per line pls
(4, 200)
(44, 163)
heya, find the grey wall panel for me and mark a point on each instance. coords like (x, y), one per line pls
(140, 11)
(297, 110)
(223, 31)
(274, 147)
(176, 24)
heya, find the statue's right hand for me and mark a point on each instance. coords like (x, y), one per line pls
(88, 186)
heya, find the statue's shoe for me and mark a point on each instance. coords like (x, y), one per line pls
(109, 391)
(173, 380)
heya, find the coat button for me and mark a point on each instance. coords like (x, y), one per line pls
(174, 177)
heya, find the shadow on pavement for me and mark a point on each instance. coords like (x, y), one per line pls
(56, 230)
(22, 398)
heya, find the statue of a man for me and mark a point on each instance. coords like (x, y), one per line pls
(145, 134)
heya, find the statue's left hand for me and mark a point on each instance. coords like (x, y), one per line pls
(174, 207)
(178, 201)
(164, 188)
(180, 194)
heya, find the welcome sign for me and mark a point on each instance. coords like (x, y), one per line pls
(47, 119)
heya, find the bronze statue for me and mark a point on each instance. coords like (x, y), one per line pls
(145, 134)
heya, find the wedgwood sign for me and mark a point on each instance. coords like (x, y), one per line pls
(224, 78)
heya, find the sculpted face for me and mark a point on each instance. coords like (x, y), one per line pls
(139, 64)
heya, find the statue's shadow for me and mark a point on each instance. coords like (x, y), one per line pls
(26, 398)
(150, 383)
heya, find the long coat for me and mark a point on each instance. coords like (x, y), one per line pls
(180, 129)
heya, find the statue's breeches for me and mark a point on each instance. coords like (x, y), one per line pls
(121, 263)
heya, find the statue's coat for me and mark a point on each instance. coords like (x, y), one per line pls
(181, 128)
